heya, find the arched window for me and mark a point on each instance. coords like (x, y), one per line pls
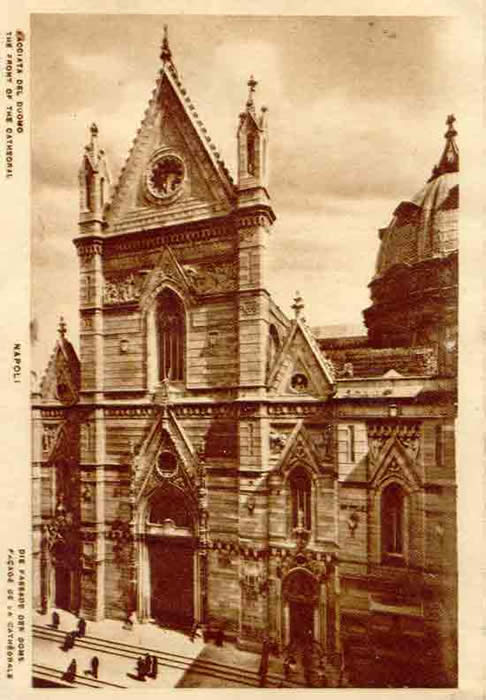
(272, 346)
(169, 503)
(300, 490)
(171, 336)
(250, 142)
(102, 192)
(87, 181)
(392, 522)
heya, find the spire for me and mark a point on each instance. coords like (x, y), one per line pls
(250, 105)
(62, 328)
(449, 161)
(252, 144)
(298, 304)
(165, 52)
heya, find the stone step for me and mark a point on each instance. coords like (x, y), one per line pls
(205, 667)
(54, 675)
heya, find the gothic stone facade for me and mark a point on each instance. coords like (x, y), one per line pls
(209, 460)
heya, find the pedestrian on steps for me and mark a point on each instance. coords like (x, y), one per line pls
(155, 667)
(148, 665)
(263, 669)
(68, 641)
(70, 674)
(95, 664)
(81, 627)
(141, 668)
(55, 620)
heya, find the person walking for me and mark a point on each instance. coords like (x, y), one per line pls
(263, 669)
(68, 641)
(155, 667)
(148, 665)
(70, 674)
(55, 620)
(141, 668)
(95, 664)
(81, 627)
(219, 637)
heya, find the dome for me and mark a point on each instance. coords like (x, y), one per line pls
(414, 288)
(427, 225)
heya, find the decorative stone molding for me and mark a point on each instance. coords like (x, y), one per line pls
(87, 323)
(249, 307)
(212, 277)
(48, 438)
(247, 221)
(229, 410)
(121, 290)
(86, 437)
(277, 441)
(299, 410)
(231, 548)
(170, 237)
(380, 434)
(87, 493)
(132, 411)
(88, 249)
(52, 412)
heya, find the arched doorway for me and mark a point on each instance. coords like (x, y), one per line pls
(301, 595)
(62, 581)
(171, 557)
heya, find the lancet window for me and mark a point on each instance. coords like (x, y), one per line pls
(393, 522)
(171, 336)
(300, 490)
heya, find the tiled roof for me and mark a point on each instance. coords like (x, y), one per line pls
(376, 362)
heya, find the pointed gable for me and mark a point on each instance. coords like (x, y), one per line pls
(393, 453)
(62, 378)
(300, 369)
(173, 171)
(166, 436)
(166, 270)
(299, 451)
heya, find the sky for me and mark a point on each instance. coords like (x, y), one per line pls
(356, 108)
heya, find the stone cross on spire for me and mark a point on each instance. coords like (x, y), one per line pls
(298, 304)
(451, 132)
(62, 328)
(449, 161)
(94, 133)
(250, 105)
(165, 52)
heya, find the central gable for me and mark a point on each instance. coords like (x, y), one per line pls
(172, 172)
(299, 369)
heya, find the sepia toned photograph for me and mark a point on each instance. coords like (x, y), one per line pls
(244, 341)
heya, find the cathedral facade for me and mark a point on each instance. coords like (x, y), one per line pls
(208, 459)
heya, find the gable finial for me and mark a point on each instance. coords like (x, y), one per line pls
(93, 130)
(298, 304)
(451, 132)
(250, 106)
(165, 53)
(62, 328)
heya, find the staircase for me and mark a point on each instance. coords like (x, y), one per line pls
(234, 675)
